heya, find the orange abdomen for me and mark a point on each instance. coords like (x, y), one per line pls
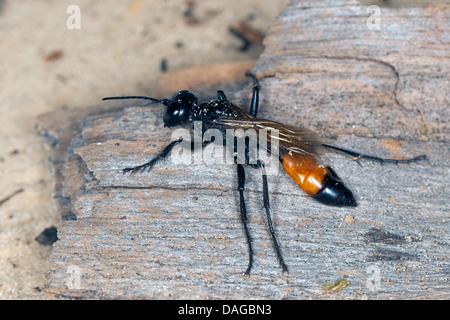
(318, 181)
(306, 171)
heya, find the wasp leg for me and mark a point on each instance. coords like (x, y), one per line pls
(244, 218)
(356, 156)
(149, 165)
(255, 94)
(269, 219)
(241, 171)
(160, 157)
(221, 95)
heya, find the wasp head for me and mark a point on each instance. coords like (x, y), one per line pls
(179, 108)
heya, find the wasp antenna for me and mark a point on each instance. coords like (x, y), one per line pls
(164, 101)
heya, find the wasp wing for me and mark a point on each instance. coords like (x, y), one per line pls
(290, 139)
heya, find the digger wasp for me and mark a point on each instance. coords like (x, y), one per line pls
(298, 152)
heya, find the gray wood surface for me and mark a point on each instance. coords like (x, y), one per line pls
(175, 233)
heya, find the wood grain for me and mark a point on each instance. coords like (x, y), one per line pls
(175, 233)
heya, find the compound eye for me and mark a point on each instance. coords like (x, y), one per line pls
(179, 108)
(175, 114)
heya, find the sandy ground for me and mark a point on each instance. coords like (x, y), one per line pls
(116, 49)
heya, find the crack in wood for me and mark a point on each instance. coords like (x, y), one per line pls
(387, 64)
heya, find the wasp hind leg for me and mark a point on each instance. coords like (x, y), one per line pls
(357, 156)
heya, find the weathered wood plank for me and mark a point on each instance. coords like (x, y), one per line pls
(176, 233)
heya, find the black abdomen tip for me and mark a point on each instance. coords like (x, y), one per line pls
(335, 193)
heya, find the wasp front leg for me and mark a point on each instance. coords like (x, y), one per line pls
(149, 165)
